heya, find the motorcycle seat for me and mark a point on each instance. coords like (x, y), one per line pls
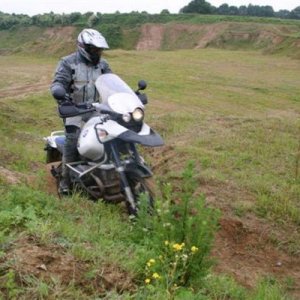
(60, 141)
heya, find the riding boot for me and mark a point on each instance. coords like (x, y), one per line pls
(64, 183)
(70, 154)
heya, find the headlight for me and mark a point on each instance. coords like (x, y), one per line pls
(102, 134)
(138, 114)
(126, 118)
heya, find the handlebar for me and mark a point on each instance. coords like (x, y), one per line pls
(68, 109)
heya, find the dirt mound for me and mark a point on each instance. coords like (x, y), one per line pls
(44, 261)
(14, 178)
(158, 36)
(248, 254)
(59, 33)
(177, 36)
(10, 177)
(268, 38)
(152, 35)
(48, 262)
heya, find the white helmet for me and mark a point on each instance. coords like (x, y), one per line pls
(89, 39)
(92, 37)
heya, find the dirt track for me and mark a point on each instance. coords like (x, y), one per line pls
(21, 90)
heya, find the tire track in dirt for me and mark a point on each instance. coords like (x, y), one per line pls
(23, 90)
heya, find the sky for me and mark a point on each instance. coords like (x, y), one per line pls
(34, 7)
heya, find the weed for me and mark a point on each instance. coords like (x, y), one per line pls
(278, 208)
(179, 237)
(269, 289)
(37, 288)
(222, 287)
(9, 285)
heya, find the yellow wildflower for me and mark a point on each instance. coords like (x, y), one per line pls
(150, 262)
(156, 276)
(166, 243)
(178, 247)
(147, 280)
(194, 249)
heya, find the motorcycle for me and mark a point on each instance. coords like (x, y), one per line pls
(110, 166)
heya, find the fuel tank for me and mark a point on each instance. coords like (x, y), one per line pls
(88, 144)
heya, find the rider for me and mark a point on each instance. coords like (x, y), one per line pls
(74, 79)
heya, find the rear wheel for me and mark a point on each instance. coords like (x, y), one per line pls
(143, 189)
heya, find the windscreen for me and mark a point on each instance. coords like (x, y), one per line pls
(109, 84)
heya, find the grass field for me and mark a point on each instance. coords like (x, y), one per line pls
(234, 113)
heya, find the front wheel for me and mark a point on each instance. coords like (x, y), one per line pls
(143, 189)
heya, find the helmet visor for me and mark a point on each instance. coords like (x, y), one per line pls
(90, 49)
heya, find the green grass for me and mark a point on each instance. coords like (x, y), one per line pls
(21, 148)
(15, 37)
(235, 113)
(238, 113)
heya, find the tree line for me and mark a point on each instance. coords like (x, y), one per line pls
(204, 7)
(90, 19)
(117, 20)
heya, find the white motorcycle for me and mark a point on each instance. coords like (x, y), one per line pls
(110, 167)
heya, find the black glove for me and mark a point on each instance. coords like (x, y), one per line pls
(67, 109)
(65, 102)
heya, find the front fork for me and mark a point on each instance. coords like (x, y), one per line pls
(121, 170)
